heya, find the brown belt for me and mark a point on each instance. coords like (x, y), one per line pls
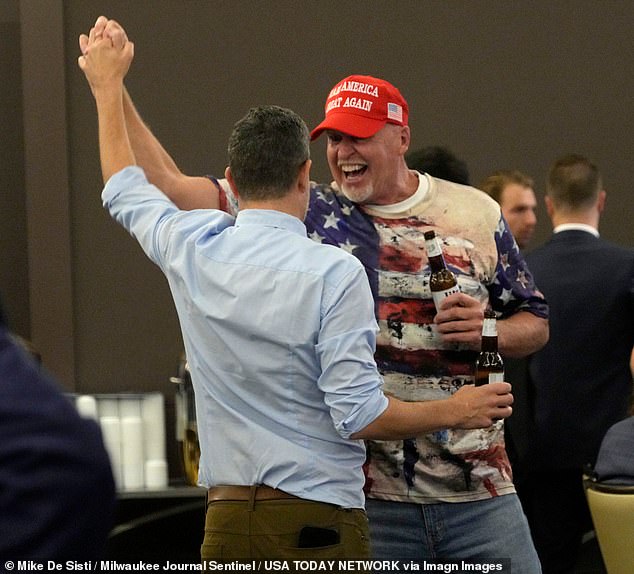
(245, 493)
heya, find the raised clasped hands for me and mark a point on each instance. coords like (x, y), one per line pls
(106, 54)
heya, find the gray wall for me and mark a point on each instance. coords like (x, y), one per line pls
(504, 84)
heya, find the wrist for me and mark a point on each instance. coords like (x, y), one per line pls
(107, 90)
(453, 414)
(462, 410)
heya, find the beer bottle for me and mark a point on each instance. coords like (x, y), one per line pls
(442, 281)
(489, 364)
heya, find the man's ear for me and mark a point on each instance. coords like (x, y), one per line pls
(303, 177)
(406, 137)
(601, 201)
(232, 183)
(549, 206)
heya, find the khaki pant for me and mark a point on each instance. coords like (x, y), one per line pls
(274, 529)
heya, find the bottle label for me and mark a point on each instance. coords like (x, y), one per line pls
(438, 296)
(489, 328)
(433, 248)
(496, 377)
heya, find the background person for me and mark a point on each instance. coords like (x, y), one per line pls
(440, 162)
(615, 463)
(580, 382)
(514, 191)
(57, 493)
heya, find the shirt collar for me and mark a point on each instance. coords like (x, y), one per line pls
(576, 227)
(411, 201)
(271, 218)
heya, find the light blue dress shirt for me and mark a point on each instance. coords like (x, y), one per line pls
(279, 333)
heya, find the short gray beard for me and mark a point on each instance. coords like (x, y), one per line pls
(360, 196)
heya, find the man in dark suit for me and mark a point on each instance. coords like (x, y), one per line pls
(615, 461)
(56, 488)
(580, 382)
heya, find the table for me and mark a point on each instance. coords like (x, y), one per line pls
(158, 525)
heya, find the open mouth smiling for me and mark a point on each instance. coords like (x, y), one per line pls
(354, 170)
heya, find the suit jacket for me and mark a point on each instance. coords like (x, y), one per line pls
(580, 382)
(615, 463)
(517, 428)
(57, 493)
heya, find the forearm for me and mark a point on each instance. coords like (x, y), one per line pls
(407, 419)
(522, 334)
(156, 162)
(186, 192)
(468, 408)
(115, 149)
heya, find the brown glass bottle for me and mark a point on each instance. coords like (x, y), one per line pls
(489, 364)
(442, 281)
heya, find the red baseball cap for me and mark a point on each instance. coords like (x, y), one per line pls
(360, 106)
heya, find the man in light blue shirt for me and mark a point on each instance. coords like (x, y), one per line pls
(279, 333)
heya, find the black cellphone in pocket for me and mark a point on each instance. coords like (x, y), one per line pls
(315, 537)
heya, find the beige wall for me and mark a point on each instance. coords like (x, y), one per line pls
(505, 84)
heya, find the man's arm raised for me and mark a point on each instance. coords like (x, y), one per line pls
(187, 192)
(105, 66)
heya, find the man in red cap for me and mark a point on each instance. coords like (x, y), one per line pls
(446, 495)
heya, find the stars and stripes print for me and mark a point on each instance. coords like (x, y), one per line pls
(394, 256)
(414, 362)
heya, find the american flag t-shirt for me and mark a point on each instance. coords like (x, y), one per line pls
(450, 465)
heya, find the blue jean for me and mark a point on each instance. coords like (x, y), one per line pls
(485, 531)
